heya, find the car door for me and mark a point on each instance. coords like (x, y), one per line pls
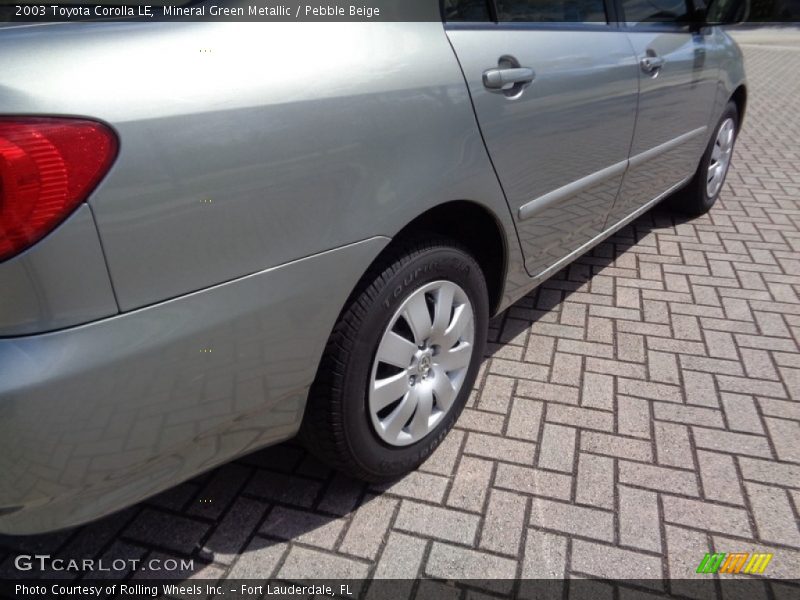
(678, 84)
(554, 87)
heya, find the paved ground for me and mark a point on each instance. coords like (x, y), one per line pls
(786, 35)
(639, 410)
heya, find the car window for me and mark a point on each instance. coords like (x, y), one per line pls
(466, 10)
(638, 12)
(552, 11)
(729, 10)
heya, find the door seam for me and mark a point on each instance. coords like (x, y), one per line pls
(485, 146)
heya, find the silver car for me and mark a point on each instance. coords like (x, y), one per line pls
(217, 235)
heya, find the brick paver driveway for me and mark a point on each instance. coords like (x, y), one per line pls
(637, 411)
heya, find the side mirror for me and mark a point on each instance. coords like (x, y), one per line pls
(726, 12)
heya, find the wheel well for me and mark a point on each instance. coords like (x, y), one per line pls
(474, 227)
(739, 97)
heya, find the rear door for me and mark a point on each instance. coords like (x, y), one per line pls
(678, 83)
(554, 87)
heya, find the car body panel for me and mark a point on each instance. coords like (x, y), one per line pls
(574, 122)
(59, 282)
(731, 70)
(96, 417)
(673, 118)
(269, 163)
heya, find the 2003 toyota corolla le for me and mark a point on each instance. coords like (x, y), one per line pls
(217, 235)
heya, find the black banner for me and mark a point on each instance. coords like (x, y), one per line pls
(296, 11)
(391, 589)
(266, 11)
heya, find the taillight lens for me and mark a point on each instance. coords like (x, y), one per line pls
(47, 168)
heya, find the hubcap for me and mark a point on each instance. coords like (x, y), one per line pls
(720, 157)
(421, 363)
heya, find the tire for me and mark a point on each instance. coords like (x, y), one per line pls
(696, 198)
(343, 425)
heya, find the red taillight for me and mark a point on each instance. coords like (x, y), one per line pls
(47, 168)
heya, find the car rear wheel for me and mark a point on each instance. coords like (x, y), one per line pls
(703, 190)
(400, 362)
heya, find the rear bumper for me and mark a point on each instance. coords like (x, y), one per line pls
(98, 417)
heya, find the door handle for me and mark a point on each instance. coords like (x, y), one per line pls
(497, 79)
(651, 64)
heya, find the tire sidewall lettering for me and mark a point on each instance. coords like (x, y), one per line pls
(398, 291)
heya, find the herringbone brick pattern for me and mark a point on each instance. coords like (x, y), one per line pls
(637, 411)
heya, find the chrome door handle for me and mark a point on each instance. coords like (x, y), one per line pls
(650, 64)
(497, 79)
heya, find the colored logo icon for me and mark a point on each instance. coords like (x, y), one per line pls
(736, 562)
